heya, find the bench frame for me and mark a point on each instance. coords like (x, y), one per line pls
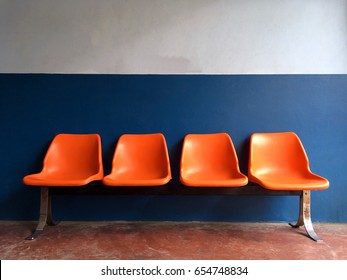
(96, 188)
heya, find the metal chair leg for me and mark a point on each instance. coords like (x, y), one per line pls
(300, 221)
(45, 214)
(50, 220)
(305, 216)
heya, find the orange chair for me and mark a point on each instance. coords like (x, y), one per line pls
(278, 161)
(72, 160)
(140, 160)
(210, 160)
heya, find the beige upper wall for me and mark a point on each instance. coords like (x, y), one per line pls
(181, 36)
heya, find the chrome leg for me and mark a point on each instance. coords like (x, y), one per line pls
(45, 213)
(50, 220)
(305, 216)
(300, 221)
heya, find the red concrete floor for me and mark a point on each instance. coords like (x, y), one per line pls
(171, 241)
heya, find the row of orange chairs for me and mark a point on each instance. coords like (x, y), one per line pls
(277, 161)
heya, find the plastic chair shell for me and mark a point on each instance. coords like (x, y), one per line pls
(71, 160)
(278, 161)
(140, 160)
(210, 160)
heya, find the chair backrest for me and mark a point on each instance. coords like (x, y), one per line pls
(280, 152)
(142, 155)
(74, 154)
(208, 153)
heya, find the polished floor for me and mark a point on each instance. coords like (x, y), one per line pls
(171, 241)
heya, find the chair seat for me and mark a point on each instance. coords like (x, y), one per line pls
(71, 160)
(49, 180)
(291, 182)
(140, 160)
(201, 180)
(135, 181)
(278, 161)
(210, 160)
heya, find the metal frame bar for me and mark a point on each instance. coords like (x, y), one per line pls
(304, 218)
(45, 218)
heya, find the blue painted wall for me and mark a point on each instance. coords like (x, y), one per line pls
(35, 107)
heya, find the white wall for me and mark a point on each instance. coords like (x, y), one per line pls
(166, 36)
